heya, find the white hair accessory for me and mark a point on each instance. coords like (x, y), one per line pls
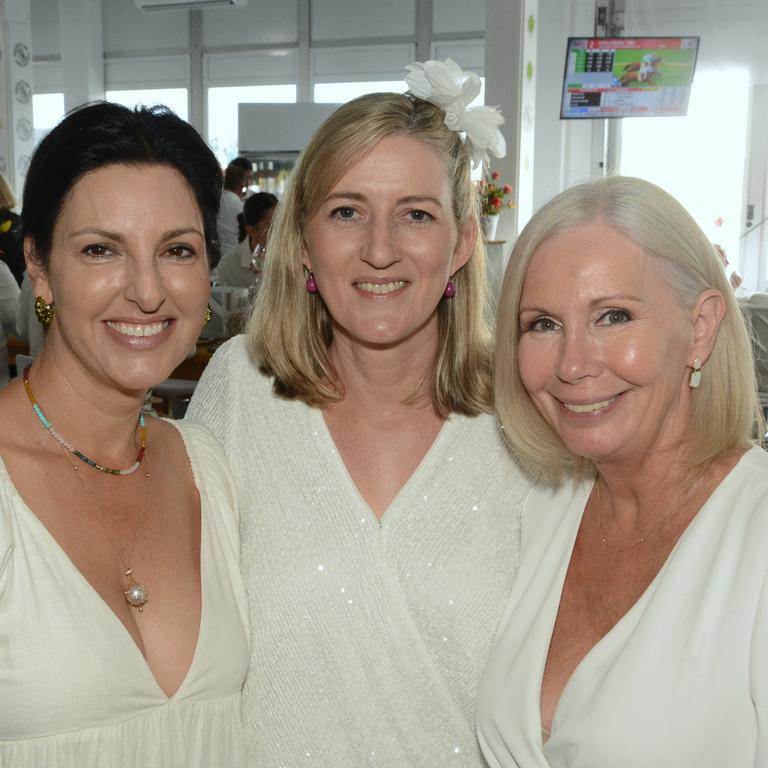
(448, 86)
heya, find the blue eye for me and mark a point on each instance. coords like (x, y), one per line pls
(344, 212)
(541, 325)
(615, 317)
(420, 216)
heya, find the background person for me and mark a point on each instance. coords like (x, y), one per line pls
(11, 251)
(379, 502)
(123, 623)
(9, 310)
(232, 196)
(235, 267)
(637, 628)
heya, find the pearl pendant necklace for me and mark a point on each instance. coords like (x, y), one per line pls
(136, 594)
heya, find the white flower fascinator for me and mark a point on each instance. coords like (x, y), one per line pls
(447, 85)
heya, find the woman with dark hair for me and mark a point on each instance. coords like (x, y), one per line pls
(237, 267)
(123, 626)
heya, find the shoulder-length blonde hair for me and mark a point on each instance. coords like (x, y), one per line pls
(290, 331)
(725, 407)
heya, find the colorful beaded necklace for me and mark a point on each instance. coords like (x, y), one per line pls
(64, 444)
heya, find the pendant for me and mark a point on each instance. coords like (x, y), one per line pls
(135, 594)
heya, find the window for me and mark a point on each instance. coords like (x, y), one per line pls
(688, 157)
(339, 93)
(223, 113)
(47, 111)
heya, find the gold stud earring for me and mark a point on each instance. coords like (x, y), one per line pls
(695, 379)
(208, 314)
(43, 312)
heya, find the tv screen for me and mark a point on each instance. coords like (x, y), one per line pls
(628, 76)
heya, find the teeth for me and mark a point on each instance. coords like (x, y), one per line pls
(151, 329)
(380, 288)
(588, 407)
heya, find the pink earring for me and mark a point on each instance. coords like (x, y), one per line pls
(311, 284)
(450, 290)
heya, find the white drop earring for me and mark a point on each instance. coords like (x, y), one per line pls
(695, 379)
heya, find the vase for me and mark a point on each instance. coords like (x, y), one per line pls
(488, 225)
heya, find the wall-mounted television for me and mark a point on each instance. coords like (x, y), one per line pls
(628, 76)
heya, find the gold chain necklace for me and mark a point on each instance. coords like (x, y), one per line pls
(136, 594)
(628, 547)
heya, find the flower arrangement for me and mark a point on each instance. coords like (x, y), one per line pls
(492, 194)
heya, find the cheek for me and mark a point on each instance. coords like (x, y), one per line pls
(534, 363)
(645, 356)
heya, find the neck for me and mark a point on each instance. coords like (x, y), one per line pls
(383, 376)
(97, 421)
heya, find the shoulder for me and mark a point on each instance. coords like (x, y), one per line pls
(6, 276)
(744, 491)
(209, 465)
(232, 370)
(481, 436)
(481, 450)
(231, 391)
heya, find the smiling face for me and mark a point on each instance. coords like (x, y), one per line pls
(128, 274)
(384, 243)
(605, 346)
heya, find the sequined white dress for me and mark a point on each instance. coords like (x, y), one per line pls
(367, 640)
(75, 692)
(680, 681)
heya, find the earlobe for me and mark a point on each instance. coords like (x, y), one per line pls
(708, 314)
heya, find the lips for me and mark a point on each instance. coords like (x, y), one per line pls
(142, 330)
(380, 289)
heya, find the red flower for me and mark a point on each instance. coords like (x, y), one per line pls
(496, 202)
(495, 175)
(506, 189)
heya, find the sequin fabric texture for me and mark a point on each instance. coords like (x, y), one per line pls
(368, 639)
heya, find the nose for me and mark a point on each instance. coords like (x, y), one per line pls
(579, 356)
(380, 249)
(144, 283)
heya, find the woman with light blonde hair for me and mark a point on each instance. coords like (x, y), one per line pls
(379, 502)
(636, 632)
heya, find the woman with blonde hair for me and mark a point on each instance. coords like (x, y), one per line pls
(379, 502)
(636, 632)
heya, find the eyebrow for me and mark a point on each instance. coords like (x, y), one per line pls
(593, 303)
(119, 238)
(407, 199)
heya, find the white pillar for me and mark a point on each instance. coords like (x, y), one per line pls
(82, 51)
(16, 128)
(503, 88)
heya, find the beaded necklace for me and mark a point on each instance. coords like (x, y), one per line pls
(64, 444)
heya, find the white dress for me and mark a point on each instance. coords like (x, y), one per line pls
(75, 691)
(233, 268)
(368, 640)
(681, 680)
(226, 221)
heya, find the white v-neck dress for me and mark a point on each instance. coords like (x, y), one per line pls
(368, 640)
(75, 691)
(680, 681)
